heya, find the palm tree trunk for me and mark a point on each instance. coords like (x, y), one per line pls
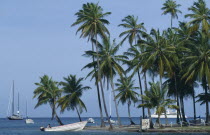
(171, 21)
(58, 119)
(150, 119)
(159, 120)
(145, 81)
(55, 114)
(129, 114)
(182, 108)
(166, 118)
(98, 93)
(78, 114)
(102, 91)
(115, 102)
(194, 108)
(177, 99)
(207, 104)
(141, 92)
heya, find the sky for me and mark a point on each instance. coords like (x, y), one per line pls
(36, 38)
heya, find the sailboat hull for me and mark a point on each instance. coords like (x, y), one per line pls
(15, 117)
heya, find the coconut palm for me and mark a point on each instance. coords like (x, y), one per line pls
(47, 92)
(134, 30)
(198, 64)
(92, 24)
(203, 98)
(125, 87)
(109, 64)
(155, 98)
(158, 53)
(170, 7)
(200, 15)
(73, 90)
(135, 65)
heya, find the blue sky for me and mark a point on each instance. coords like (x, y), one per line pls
(36, 39)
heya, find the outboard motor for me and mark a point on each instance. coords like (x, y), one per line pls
(42, 128)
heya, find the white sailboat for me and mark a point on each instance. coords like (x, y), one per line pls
(70, 127)
(110, 109)
(28, 121)
(14, 116)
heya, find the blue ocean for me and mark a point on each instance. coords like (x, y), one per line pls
(18, 127)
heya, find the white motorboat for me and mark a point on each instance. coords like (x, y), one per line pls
(70, 127)
(169, 114)
(90, 120)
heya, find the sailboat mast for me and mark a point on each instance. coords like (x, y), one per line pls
(13, 97)
(18, 102)
(26, 110)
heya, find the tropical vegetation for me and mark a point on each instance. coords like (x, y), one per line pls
(178, 57)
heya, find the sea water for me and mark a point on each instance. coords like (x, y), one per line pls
(18, 127)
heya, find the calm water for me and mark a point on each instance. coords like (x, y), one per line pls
(8, 127)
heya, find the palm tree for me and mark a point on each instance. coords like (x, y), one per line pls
(197, 61)
(109, 64)
(155, 97)
(134, 30)
(73, 90)
(170, 7)
(125, 87)
(200, 15)
(47, 92)
(91, 19)
(157, 53)
(135, 64)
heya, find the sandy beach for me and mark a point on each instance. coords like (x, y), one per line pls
(136, 128)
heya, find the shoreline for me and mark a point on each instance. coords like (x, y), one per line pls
(136, 128)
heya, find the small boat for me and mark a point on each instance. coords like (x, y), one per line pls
(90, 120)
(70, 127)
(169, 114)
(28, 121)
(12, 100)
(112, 121)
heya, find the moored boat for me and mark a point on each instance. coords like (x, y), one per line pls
(14, 116)
(69, 127)
(169, 114)
(90, 120)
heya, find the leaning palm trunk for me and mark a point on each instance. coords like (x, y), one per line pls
(78, 114)
(129, 114)
(140, 86)
(98, 93)
(115, 102)
(102, 91)
(55, 114)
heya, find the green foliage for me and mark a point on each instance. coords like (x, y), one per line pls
(91, 21)
(125, 87)
(47, 92)
(73, 90)
(134, 30)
